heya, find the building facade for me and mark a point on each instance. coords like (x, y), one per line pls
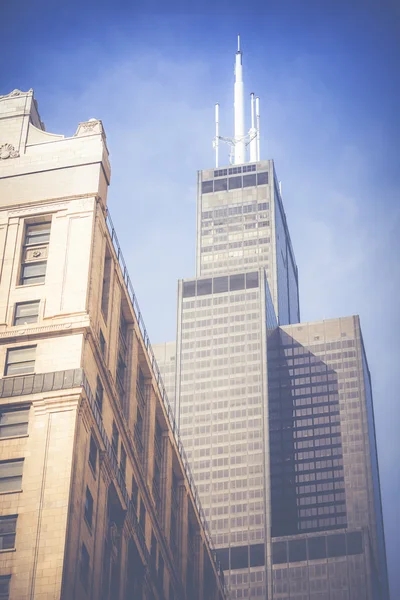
(96, 495)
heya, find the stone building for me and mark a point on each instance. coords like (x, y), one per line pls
(96, 496)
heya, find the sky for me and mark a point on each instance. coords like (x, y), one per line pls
(328, 78)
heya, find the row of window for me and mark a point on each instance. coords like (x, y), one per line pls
(234, 183)
(219, 285)
(312, 548)
(234, 170)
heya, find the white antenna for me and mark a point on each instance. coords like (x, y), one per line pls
(280, 188)
(240, 141)
(253, 132)
(258, 126)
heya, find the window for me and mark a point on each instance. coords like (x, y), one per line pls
(279, 552)
(251, 280)
(115, 439)
(14, 422)
(316, 547)
(297, 550)
(34, 253)
(354, 542)
(249, 180)
(105, 293)
(84, 567)
(220, 284)
(207, 187)
(336, 545)
(88, 507)
(20, 361)
(122, 463)
(239, 557)
(142, 517)
(189, 289)
(11, 475)
(153, 549)
(135, 491)
(102, 344)
(257, 558)
(26, 312)
(5, 587)
(204, 287)
(99, 394)
(8, 526)
(220, 185)
(262, 178)
(236, 282)
(235, 182)
(93, 453)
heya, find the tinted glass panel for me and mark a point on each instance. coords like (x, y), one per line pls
(257, 558)
(235, 183)
(316, 547)
(223, 557)
(251, 280)
(207, 187)
(354, 542)
(297, 550)
(336, 545)
(204, 286)
(221, 284)
(189, 289)
(220, 185)
(237, 282)
(262, 178)
(279, 553)
(239, 557)
(249, 180)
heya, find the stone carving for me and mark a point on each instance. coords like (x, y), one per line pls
(16, 93)
(8, 151)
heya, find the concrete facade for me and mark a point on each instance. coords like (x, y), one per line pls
(96, 496)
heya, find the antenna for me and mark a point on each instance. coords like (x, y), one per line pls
(216, 142)
(258, 126)
(253, 132)
(240, 148)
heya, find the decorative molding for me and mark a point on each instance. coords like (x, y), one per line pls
(8, 151)
(34, 330)
(38, 209)
(91, 127)
(16, 93)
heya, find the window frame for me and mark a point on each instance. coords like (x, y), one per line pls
(4, 519)
(11, 409)
(88, 508)
(27, 303)
(93, 444)
(7, 363)
(5, 579)
(27, 243)
(18, 477)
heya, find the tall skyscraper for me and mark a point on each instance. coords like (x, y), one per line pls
(276, 415)
(96, 495)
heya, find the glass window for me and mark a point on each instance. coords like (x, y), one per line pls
(99, 394)
(11, 475)
(20, 361)
(297, 550)
(257, 558)
(239, 557)
(34, 272)
(249, 180)
(223, 557)
(189, 289)
(220, 185)
(235, 182)
(207, 187)
(115, 439)
(89, 507)
(5, 587)
(37, 233)
(262, 178)
(26, 312)
(102, 344)
(8, 526)
(354, 542)
(85, 567)
(14, 422)
(122, 462)
(220, 284)
(316, 547)
(336, 545)
(236, 282)
(93, 453)
(279, 553)
(135, 492)
(33, 267)
(251, 280)
(204, 286)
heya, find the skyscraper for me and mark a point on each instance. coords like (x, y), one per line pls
(276, 415)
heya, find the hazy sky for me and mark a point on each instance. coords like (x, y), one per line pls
(328, 77)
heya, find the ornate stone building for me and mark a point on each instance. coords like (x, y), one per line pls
(96, 496)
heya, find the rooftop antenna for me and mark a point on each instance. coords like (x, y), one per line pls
(241, 140)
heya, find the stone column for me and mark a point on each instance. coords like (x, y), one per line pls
(166, 483)
(182, 529)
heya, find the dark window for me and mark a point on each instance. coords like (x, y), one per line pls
(122, 463)
(336, 545)
(207, 187)
(8, 526)
(189, 289)
(279, 553)
(20, 361)
(249, 180)
(102, 344)
(153, 549)
(251, 280)
(262, 178)
(220, 172)
(220, 284)
(239, 557)
(105, 293)
(99, 394)
(223, 557)
(248, 168)
(88, 507)
(11, 475)
(142, 517)
(160, 570)
(5, 587)
(263, 206)
(26, 312)
(235, 182)
(135, 491)
(233, 170)
(14, 422)
(115, 439)
(93, 453)
(236, 282)
(354, 542)
(220, 185)
(85, 567)
(316, 547)
(257, 558)
(34, 253)
(297, 550)
(204, 286)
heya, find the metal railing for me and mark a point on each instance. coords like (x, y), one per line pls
(157, 375)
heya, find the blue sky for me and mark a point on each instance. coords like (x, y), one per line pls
(328, 77)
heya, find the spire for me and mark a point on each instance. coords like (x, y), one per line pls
(240, 147)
